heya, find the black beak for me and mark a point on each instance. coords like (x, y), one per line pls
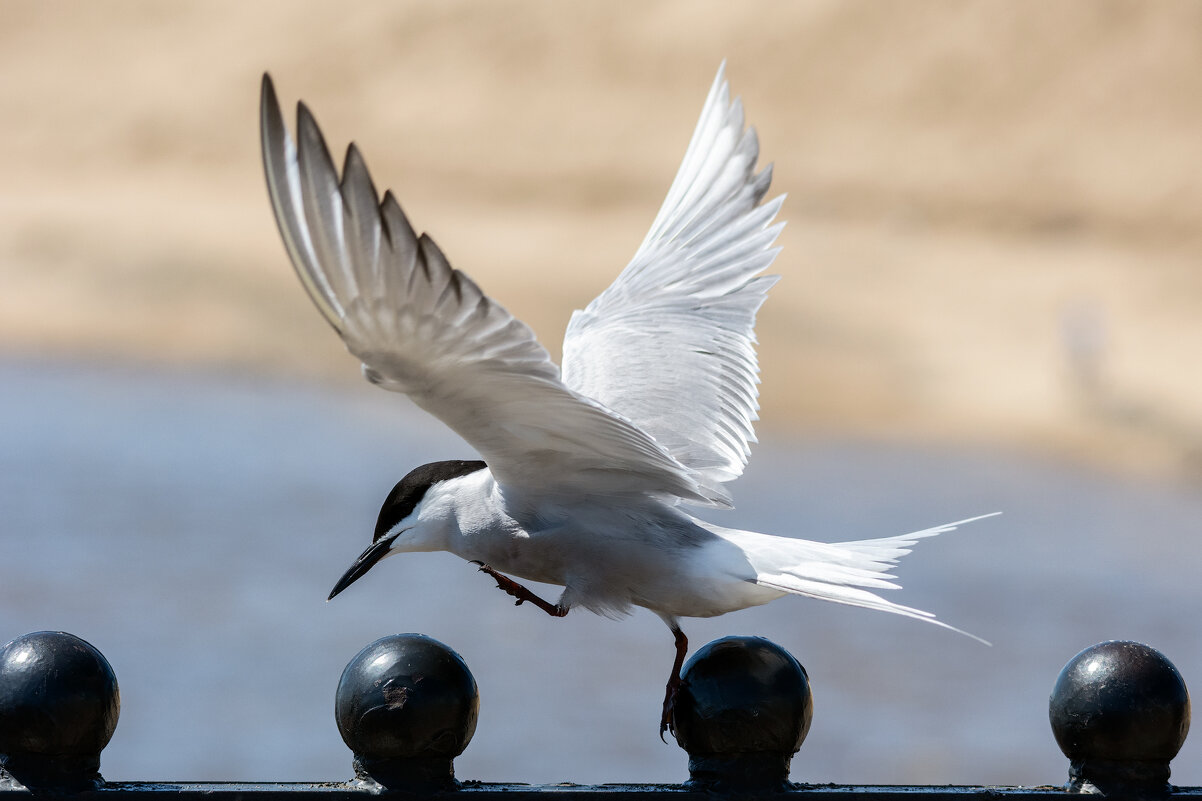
(377, 551)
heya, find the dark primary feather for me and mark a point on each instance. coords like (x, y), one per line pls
(422, 328)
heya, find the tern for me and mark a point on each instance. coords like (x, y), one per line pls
(587, 468)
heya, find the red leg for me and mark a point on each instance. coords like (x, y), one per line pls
(521, 593)
(682, 648)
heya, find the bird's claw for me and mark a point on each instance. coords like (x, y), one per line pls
(665, 720)
(665, 725)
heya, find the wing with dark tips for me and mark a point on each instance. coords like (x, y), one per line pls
(423, 328)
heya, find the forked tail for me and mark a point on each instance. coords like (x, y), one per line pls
(843, 572)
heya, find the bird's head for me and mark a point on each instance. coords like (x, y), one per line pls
(407, 521)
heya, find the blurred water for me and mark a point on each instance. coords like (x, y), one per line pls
(190, 526)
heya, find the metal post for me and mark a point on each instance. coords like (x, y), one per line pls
(743, 711)
(59, 705)
(1120, 712)
(406, 706)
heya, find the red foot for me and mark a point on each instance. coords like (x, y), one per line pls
(521, 593)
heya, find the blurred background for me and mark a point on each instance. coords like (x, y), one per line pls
(991, 300)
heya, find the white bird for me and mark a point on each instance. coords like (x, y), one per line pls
(586, 469)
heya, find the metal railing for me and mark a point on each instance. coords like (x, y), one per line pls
(406, 706)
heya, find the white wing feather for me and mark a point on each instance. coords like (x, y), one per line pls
(670, 345)
(425, 329)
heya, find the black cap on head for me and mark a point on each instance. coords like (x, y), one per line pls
(410, 490)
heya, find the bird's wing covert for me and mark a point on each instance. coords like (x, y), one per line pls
(425, 329)
(670, 344)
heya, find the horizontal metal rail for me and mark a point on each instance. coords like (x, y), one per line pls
(477, 791)
(406, 706)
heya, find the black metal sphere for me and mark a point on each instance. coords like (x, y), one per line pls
(742, 695)
(1120, 702)
(406, 697)
(58, 697)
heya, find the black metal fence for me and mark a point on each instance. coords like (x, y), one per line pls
(406, 706)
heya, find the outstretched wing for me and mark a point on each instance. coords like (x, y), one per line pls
(670, 345)
(425, 329)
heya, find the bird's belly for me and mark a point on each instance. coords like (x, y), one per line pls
(707, 596)
(673, 568)
(709, 579)
(522, 556)
(596, 574)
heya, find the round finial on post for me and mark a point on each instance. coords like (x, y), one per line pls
(742, 712)
(407, 706)
(1120, 712)
(59, 704)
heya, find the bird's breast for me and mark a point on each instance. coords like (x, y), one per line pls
(520, 548)
(608, 556)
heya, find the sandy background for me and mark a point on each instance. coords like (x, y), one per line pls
(995, 208)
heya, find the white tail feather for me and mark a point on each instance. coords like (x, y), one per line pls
(838, 572)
